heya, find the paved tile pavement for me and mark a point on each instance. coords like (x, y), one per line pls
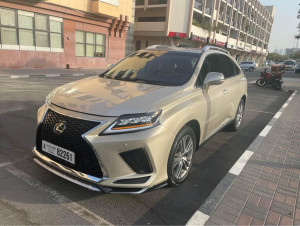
(266, 192)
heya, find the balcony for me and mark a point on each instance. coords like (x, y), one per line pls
(232, 42)
(221, 38)
(150, 26)
(258, 50)
(199, 31)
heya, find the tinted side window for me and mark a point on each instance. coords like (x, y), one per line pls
(236, 69)
(226, 66)
(209, 65)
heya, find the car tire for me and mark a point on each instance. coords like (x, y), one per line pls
(181, 156)
(251, 69)
(236, 123)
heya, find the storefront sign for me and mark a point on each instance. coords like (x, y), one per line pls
(177, 35)
(222, 44)
(198, 38)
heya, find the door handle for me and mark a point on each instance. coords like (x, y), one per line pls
(225, 91)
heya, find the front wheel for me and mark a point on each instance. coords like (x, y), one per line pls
(236, 123)
(251, 69)
(181, 156)
(260, 82)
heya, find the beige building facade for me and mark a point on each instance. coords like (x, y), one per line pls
(63, 33)
(241, 26)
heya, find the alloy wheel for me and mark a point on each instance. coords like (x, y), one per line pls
(183, 157)
(239, 115)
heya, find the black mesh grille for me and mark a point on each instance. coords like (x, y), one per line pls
(85, 158)
(138, 160)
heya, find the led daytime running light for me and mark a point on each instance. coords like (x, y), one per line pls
(127, 123)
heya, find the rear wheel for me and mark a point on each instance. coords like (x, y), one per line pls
(260, 82)
(236, 123)
(181, 156)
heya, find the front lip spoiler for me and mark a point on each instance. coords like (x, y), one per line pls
(68, 170)
(84, 180)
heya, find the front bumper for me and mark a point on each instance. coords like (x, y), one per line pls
(85, 180)
(119, 177)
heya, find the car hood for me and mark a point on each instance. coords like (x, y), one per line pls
(107, 97)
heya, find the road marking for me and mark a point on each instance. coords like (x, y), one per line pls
(17, 108)
(52, 75)
(5, 164)
(278, 114)
(62, 200)
(265, 131)
(247, 109)
(9, 163)
(198, 218)
(19, 76)
(241, 162)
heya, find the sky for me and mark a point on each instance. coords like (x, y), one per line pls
(285, 23)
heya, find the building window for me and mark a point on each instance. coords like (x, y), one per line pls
(157, 2)
(30, 29)
(89, 44)
(140, 2)
(151, 19)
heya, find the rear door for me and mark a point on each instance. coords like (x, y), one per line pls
(233, 87)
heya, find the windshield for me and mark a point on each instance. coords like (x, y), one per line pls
(290, 63)
(166, 68)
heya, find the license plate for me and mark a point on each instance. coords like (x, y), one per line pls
(59, 152)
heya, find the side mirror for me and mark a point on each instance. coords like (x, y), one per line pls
(212, 78)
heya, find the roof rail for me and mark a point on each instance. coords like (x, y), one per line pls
(156, 46)
(205, 48)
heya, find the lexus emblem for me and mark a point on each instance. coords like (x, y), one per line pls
(59, 128)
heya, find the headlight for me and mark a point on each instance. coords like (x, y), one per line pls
(131, 123)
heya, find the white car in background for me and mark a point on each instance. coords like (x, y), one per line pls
(248, 65)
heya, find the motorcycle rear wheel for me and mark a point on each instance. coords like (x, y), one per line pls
(260, 82)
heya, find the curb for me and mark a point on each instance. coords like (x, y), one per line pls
(201, 216)
(42, 76)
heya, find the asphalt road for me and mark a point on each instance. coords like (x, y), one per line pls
(32, 195)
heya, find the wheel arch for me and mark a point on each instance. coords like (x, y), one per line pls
(244, 98)
(194, 124)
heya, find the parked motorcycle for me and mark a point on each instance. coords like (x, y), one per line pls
(273, 79)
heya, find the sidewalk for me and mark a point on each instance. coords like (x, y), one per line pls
(47, 72)
(262, 188)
